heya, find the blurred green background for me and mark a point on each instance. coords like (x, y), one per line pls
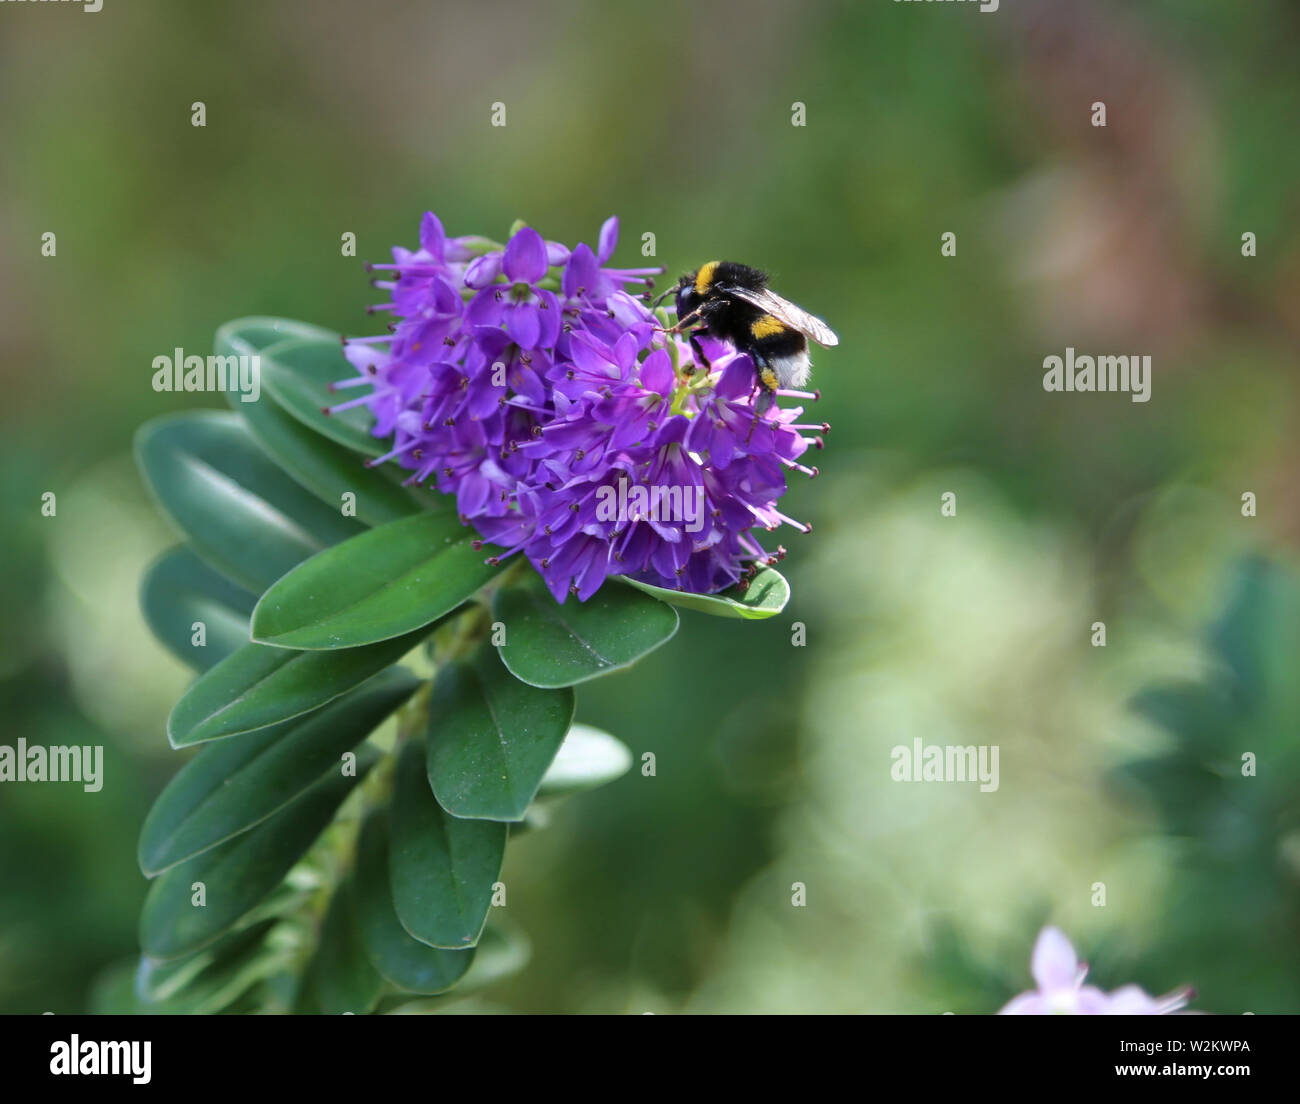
(673, 893)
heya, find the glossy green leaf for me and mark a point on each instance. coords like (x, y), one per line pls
(211, 979)
(235, 784)
(548, 644)
(400, 959)
(339, 978)
(230, 985)
(589, 757)
(180, 590)
(299, 379)
(326, 468)
(259, 686)
(766, 596)
(255, 334)
(242, 514)
(492, 738)
(384, 583)
(502, 950)
(441, 868)
(236, 876)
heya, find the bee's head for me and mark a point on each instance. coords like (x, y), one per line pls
(688, 299)
(695, 289)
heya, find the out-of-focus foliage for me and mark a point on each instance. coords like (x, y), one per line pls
(772, 761)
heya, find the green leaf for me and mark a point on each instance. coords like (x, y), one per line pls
(549, 645)
(224, 983)
(299, 379)
(235, 784)
(491, 738)
(210, 979)
(242, 514)
(328, 469)
(178, 590)
(239, 873)
(257, 333)
(339, 977)
(766, 596)
(502, 950)
(378, 585)
(401, 960)
(441, 868)
(259, 686)
(588, 758)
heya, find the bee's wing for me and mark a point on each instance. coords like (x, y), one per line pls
(785, 311)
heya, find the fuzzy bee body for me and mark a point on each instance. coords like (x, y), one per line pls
(732, 302)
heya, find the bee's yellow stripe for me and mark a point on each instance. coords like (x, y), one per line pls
(765, 326)
(704, 277)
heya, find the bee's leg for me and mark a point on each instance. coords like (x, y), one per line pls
(764, 381)
(698, 349)
(682, 323)
(760, 408)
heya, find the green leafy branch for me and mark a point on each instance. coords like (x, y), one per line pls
(310, 856)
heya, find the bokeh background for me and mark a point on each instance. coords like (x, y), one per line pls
(1119, 765)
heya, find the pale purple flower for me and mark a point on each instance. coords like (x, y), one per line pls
(1059, 974)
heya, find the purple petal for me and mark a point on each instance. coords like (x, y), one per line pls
(523, 323)
(722, 448)
(608, 239)
(657, 372)
(552, 319)
(625, 351)
(432, 238)
(472, 494)
(1027, 1004)
(484, 270)
(737, 379)
(592, 576)
(525, 260)
(524, 381)
(484, 309)
(581, 273)
(556, 582)
(631, 314)
(491, 340)
(1054, 964)
(1128, 1000)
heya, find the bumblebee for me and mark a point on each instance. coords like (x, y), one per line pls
(732, 302)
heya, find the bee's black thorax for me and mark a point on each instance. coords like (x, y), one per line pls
(738, 275)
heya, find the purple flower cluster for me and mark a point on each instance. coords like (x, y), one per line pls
(533, 382)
